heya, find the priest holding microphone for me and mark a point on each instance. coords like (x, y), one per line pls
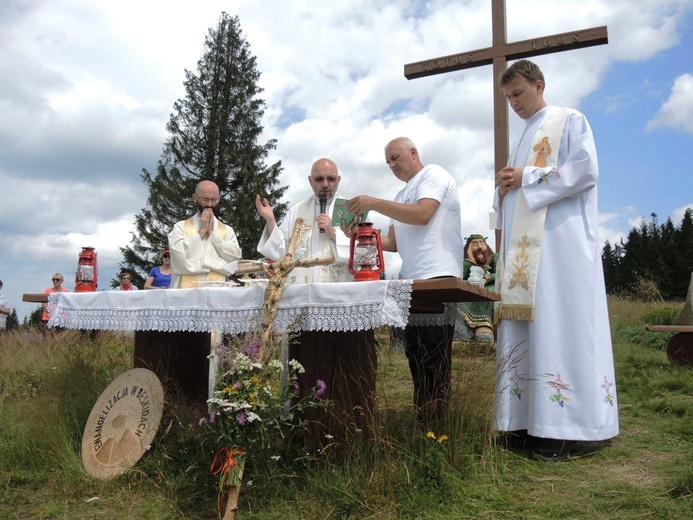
(317, 237)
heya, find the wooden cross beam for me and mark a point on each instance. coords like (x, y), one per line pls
(275, 287)
(499, 53)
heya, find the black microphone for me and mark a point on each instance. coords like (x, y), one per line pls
(323, 207)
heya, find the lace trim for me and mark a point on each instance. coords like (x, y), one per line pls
(392, 310)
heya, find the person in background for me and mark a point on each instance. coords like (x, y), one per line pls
(126, 282)
(312, 243)
(4, 310)
(57, 287)
(160, 276)
(425, 230)
(480, 269)
(202, 246)
(555, 377)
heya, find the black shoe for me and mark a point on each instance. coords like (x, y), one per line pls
(514, 440)
(552, 450)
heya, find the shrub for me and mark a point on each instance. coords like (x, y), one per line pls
(661, 316)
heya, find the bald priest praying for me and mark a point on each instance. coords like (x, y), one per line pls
(202, 246)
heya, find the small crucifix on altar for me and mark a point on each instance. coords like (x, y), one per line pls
(278, 272)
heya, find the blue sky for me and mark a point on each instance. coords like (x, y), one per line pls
(87, 87)
(643, 165)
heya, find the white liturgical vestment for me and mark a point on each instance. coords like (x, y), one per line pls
(311, 244)
(555, 375)
(194, 259)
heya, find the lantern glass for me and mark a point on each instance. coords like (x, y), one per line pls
(366, 255)
(85, 273)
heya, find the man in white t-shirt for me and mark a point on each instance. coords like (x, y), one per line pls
(425, 230)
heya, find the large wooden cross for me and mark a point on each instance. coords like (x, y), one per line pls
(499, 54)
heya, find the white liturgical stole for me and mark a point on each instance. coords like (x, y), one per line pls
(518, 279)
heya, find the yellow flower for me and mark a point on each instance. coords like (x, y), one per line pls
(431, 435)
(442, 438)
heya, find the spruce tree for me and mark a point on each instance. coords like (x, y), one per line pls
(667, 282)
(682, 251)
(610, 262)
(12, 320)
(662, 254)
(213, 135)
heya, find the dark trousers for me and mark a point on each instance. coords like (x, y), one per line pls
(429, 351)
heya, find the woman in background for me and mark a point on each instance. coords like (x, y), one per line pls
(57, 287)
(160, 276)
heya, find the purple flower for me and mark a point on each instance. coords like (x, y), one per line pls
(237, 385)
(294, 385)
(212, 419)
(252, 349)
(224, 355)
(320, 390)
(241, 417)
(221, 350)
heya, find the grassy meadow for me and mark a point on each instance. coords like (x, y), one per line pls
(49, 383)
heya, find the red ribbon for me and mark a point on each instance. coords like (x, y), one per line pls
(221, 465)
(223, 461)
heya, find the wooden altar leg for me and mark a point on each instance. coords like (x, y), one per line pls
(346, 362)
(178, 358)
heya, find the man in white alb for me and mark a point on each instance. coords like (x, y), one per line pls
(202, 246)
(555, 381)
(324, 180)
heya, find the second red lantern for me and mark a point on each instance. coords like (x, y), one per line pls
(366, 253)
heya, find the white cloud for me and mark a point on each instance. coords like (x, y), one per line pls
(677, 111)
(677, 214)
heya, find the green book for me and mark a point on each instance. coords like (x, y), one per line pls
(340, 214)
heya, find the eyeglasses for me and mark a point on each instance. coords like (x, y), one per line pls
(331, 179)
(57, 279)
(167, 256)
(125, 278)
(207, 200)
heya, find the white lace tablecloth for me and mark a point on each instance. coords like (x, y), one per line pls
(233, 310)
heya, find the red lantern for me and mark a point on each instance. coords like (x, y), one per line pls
(87, 271)
(366, 253)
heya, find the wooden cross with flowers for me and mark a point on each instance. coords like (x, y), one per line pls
(275, 287)
(229, 462)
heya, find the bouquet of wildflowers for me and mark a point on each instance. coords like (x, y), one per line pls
(253, 405)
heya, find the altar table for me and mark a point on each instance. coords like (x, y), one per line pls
(334, 323)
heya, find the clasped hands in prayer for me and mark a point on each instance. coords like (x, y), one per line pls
(206, 222)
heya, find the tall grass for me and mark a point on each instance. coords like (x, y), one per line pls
(454, 469)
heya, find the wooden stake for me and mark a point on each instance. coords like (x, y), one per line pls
(234, 491)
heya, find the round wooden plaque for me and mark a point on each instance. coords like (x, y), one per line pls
(122, 424)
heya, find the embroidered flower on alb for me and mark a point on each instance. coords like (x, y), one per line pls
(544, 176)
(560, 387)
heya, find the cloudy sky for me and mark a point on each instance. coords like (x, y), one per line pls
(87, 87)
